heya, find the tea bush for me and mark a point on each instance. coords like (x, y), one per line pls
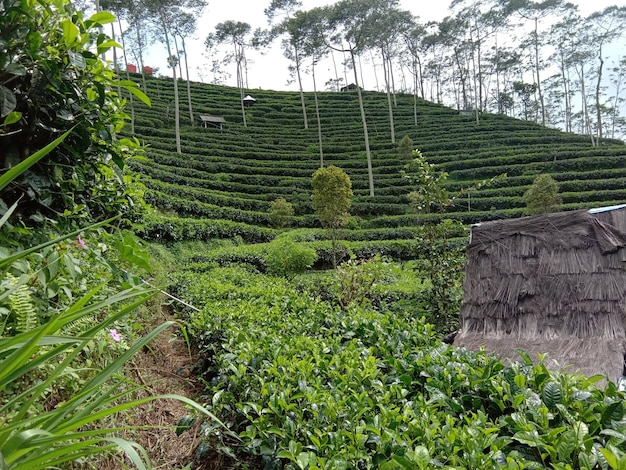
(308, 385)
(286, 257)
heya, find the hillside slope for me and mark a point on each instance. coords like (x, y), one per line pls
(230, 176)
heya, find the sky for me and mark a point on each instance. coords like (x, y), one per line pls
(270, 70)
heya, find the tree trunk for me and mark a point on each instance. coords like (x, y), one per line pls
(566, 97)
(462, 78)
(188, 82)
(173, 65)
(241, 97)
(132, 107)
(140, 56)
(585, 109)
(393, 82)
(421, 78)
(415, 82)
(375, 74)
(370, 173)
(180, 66)
(541, 101)
(598, 105)
(332, 55)
(477, 96)
(239, 58)
(317, 115)
(499, 101)
(297, 56)
(387, 89)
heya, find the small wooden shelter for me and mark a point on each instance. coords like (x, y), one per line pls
(552, 284)
(213, 121)
(350, 87)
(248, 100)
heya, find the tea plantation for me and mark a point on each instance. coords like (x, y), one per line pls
(345, 368)
(230, 177)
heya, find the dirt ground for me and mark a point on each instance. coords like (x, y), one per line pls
(166, 366)
(162, 368)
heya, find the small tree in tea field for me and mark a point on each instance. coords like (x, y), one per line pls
(405, 148)
(332, 198)
(442, 261)
(542, 196)
(281, 213)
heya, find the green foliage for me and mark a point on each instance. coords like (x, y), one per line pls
(307, 385)
(543, 195)
(21, 306)
(35, 358)
(59, 378)
(441, 262)
(71, 357)
(286, 257)
(281, 213)
(53, 79)
(332, 198)
(332, 193)
(356, 280)
(430, 193)
(405, 148)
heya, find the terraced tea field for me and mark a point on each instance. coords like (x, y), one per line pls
(224, 181)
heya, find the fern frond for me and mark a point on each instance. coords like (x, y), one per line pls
(22, 306)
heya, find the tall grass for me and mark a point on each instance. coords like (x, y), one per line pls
(34, 436)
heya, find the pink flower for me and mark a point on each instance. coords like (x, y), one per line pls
(81, 243)
(115, 335)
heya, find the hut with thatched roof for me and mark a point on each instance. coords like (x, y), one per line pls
(553, 284)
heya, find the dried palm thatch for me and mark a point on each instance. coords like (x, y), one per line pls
(553, 284)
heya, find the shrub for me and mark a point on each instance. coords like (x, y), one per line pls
(286, 257)
(53, 80)
(280, 213)
(542, 196)
(357, 279)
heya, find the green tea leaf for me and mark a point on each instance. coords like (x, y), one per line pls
(133, 88)
(613, 412)
(420, 456)
(102, 17)
(566, 444)
(552, 394)
(530, 438)
(70, 32)
(12, 118)
(7, 101)
(185, 424)
(77, 59)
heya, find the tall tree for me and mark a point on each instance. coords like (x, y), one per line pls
(535, 12)
(351, 23)
(564, 36)
(389, 25)
(136, 35)
(606, 26)
(184, 26)
(237, 34)
(310, 23)
(618, 78)
(163, 11)
(413, 41)
(284, 11)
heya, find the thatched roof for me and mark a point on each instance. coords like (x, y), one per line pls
(554, 284)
